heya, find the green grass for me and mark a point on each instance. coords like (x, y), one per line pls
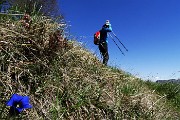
(170, 90)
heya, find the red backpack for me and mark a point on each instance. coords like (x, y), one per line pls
(97, 38)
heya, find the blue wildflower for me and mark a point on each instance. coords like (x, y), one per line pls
(18, 103)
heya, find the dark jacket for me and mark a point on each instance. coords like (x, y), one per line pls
(103, 32)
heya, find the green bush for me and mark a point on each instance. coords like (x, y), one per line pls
(170, 90)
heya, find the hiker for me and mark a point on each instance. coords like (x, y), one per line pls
(103, 43)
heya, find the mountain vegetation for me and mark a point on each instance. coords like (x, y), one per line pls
(65, 81)
(47, 7)
(170, 89)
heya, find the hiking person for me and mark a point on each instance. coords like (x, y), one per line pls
(103, 43)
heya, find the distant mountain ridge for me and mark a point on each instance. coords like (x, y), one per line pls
(169, 81)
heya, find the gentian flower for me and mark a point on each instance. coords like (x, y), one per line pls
(18, 103)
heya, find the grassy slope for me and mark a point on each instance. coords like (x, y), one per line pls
(71, 83)
(169, 90)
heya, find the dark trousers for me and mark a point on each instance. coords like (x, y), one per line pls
(103, 47)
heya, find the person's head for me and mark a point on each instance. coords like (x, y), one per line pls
(107, 24)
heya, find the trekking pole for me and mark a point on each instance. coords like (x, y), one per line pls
(116, 44)
(119, 41)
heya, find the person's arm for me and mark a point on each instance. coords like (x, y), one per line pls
(108, 28)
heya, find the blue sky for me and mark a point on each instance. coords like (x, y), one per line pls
(150, 29)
